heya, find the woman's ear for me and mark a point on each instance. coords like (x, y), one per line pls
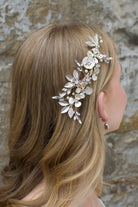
(101, 106)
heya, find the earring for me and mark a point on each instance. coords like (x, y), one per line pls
(106, 126)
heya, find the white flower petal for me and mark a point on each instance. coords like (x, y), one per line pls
(65, 109)
(78, 90)
(71, 100)
(82, 95)
(94, 77)
(88, 62)
(78, 104)
(88, 90)
(83, 84)
(77, 97)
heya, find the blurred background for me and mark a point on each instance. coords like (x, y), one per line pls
(18, 18)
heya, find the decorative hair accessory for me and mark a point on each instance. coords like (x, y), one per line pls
(75, 90)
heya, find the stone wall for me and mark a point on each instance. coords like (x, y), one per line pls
(18, 18)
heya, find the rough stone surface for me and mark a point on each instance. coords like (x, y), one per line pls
(121, 170)
(18, 18)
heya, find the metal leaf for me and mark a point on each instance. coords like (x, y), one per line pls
(95, 60)
(79, 69)
(96, 70)
(64, 89)
(95, 50)
(62, 94)
(77, 63)
(55, 97)
(89, 43)
(80, 122)
(68, 91)
(91, 39)
(71, 112)
(61, 99)
(63, 103)
(69, 78)
(75, 74)
(65, 109)
(74, 117)
(96, 39)
(89, 53)
(69, 85)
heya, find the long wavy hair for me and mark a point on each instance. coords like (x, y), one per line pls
(43, 143)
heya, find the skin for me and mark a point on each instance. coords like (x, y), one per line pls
(112, 102)
(90, 201)
(111, 106)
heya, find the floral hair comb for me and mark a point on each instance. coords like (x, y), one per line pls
(75, 90)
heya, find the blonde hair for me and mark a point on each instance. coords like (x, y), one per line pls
(43, 143)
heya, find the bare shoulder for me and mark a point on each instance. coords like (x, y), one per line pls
(35, 193)
(91, 201)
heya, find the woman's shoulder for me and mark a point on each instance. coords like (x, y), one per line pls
(91, 201)
(35, 193)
